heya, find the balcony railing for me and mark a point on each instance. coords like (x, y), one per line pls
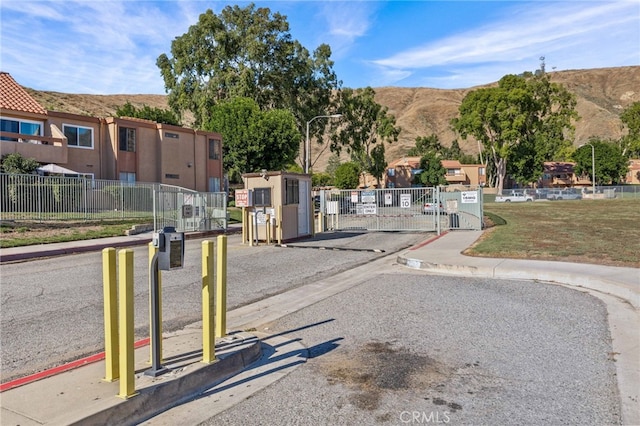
(44, 149)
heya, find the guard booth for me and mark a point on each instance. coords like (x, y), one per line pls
(284, 197)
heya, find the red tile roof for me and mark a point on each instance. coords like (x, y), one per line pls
(14, 97)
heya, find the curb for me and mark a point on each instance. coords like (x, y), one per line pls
(510, 269)
(178, 386)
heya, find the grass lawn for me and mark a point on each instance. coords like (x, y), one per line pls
(588, 231)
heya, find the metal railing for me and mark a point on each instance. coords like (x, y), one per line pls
(55, 198)
(402, 209)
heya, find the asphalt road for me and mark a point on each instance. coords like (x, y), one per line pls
(52, 309)
(411, 348)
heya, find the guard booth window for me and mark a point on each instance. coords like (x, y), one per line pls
(292, 192)
(262, 197)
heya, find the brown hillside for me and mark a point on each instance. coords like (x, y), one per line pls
(601, 93)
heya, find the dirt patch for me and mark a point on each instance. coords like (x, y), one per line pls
(377, 367)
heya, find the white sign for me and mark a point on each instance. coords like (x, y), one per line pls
(261, 216)
(354, 196)
(405, 201)
(388, 200)
(369, 209)
(469, 197)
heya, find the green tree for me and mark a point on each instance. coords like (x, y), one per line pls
(518, 112)
(247, 52)
(332, 164)
(426, 144)
(611, 164)
(347, 176)
(433, 171)
(254, 139)
(365, 124)
(16, 164)
(630, 143)
(158, 115)
(321, 179)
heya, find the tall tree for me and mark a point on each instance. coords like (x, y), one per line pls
(254, 139)
(365, 124)
(519, 111)
(630, 143)
(611, 164)
(247, 52)
(426, 144)
(433, 171)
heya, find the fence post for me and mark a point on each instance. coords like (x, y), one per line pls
(110, 289)
(125, 320)
(221, 287)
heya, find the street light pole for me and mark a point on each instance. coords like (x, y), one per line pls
(307, 145)
(593, 169)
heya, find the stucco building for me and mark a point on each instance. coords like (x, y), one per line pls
(115, 148)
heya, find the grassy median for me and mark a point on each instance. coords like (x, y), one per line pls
(588, 231)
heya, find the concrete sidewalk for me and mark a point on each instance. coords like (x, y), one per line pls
(79, 396)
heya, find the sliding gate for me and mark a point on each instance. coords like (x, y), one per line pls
(401, 209)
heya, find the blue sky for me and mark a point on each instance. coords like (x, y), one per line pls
(110, 47)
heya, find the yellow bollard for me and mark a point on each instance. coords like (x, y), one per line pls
(279, 224)
(125, 320)
(268, 226)
(208, 337)
(110, 289)
(244, 225)
(152, 251)
(251, 230)
(221, 287)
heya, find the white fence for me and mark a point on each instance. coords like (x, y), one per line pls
(54, 198)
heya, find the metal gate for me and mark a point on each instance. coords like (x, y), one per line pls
(401, 209)
(189, 211)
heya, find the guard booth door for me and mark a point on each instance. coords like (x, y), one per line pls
(304, 211)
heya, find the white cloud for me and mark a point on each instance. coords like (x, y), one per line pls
(346, 22)
(568, 32)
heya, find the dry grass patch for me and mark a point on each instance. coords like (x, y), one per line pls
(605, 232)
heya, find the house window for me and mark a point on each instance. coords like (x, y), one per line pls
(78, 136)
(262, 197)
(292, 191)
(214, 149)
(128, 177)
(171, 176)
(127, 139)
(481, 171)
(24, 127)
(454, 172)
(391, 172)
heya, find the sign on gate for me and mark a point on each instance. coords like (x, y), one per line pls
(368, 196)
(354, 196)
(405, 201)
(388, 199)
(469, 197)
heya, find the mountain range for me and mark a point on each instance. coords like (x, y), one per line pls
(602, 94)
